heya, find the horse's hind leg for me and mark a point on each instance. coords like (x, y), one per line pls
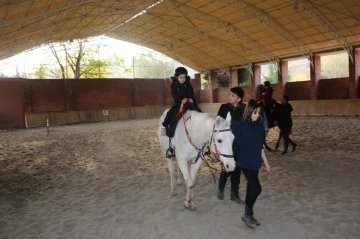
(179, 181)
(172, 174)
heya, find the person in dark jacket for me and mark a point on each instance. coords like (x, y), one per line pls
(182, 92)
(283, 116)
(248, 148)
(236, 108)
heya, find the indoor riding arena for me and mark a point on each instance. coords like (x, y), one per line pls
(80, 158)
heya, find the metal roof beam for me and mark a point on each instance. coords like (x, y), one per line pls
(268, 21)
(44, 14)
(216, 44)
(314, 13)
(172, 41)
(162, 48)
(226, 26)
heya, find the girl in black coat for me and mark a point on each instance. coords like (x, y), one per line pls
(283, 115)
(182, 92)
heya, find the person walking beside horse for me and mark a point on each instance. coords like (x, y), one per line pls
(236, 108)
(248, 148)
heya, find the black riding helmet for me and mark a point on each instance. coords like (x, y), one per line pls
(180, 70)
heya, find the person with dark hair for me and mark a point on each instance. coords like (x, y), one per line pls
(284, 119)
(266, 95)
(182, 92)
(248, 148)
(236, 108)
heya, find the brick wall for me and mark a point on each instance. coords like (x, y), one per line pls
(298, 90)
(149, 92)
(100, 93)
(11, 103)
(45, 95)
(333, 89)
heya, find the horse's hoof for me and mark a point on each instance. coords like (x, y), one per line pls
(192, 209)
(174, 194)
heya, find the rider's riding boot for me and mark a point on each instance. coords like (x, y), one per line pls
(248, 218)
(235, 197)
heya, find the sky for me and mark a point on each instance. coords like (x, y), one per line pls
(29, 60)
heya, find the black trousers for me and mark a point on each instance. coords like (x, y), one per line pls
(171, 114)
(253, 188)
(285, 131)
(234, 179)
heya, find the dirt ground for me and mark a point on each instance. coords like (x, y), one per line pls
(110, 180)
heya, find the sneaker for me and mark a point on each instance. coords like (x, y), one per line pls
(256, 222)
(237, 200)
(248, 221)
(220, 195)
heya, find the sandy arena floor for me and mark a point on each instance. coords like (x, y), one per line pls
(110, 180)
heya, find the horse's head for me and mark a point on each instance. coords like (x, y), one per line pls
(222, 142)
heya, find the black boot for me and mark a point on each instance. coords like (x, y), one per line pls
(235, 197)
(220, 194)
(277, 146)
(247, 217)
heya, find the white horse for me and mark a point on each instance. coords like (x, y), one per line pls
(202, 129)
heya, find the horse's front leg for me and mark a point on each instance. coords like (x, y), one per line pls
(179, 181)
(190, 199)
(172, 174)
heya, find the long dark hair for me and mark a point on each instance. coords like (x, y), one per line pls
(252, 105)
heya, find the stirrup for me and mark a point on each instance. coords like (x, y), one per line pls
(170, 153)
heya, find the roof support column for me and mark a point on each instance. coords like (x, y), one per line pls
(354, 74)
(214, 85)
(234, 78)
(283, 77)
(196, 84)
(315, 75)
(256, 82)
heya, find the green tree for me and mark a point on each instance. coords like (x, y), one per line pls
(153, 65)
(244, 77)
(79, 59)
(272, 75)
(335, 66)
(95, 69)
(205, 80)
(41, 72)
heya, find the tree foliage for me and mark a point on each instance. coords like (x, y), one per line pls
(153, 65)
(41, 72)
(79, 59)
(335, 66)
(244, 77)
(271, 75)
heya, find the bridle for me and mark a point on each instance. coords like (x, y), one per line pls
(212, 139)
(202, 149)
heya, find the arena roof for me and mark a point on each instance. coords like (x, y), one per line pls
(204, 35)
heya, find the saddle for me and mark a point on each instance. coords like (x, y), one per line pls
(170, 130)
